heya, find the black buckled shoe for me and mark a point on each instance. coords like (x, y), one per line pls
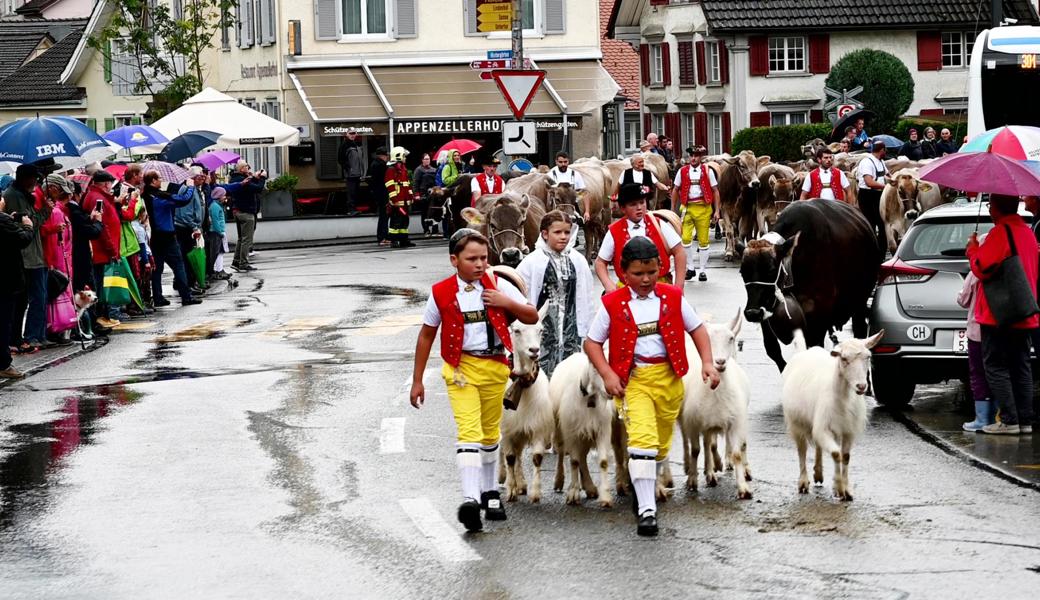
(493, 508)
(469, 516)
(647, 524)
(689, 274)
(703, 276)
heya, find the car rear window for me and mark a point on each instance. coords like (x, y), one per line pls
(939, 239)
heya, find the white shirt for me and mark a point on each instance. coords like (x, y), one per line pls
(639, 177)
(671, 239)
(644, 310)
(569, 176)
(695, 180)
(870, 166)
(474, 338)
(825, 178)
(474, 184)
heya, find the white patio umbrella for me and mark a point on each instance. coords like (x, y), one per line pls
(238, 125)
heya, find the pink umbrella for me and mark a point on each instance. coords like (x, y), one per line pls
(116, 170)
(463, 146)
(983, 172)
(215, 160)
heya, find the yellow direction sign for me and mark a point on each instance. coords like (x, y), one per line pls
(494, 15)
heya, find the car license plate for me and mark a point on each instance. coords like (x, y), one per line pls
(960, 341)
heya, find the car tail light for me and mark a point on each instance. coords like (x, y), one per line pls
(897, 271)
(886, 349)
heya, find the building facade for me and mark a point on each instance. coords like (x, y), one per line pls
(712, 67)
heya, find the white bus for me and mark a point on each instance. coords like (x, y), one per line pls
(1004, 79)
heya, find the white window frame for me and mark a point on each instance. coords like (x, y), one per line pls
(535, 32)
(123, 119)
(656, 124)
(715, 133)
(656, 64)
(955, 48)
(632, 136)
(797, 117)
(364, 35)
(787, 49)
(714, 62)
(688, 129)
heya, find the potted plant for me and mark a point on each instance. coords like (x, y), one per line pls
(278, 199)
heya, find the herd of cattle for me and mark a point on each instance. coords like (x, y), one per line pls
(753, 192)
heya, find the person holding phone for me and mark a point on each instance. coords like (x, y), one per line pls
(245, 204)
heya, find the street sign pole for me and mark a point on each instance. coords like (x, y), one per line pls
(518, 35)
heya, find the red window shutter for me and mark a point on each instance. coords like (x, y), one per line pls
(666, 64)
(658, 2)
(702, 71)
(760, 118)
(931, 112)
(929, 51)
(673, 129)
(686, 74)
(759, 54)
(646, 124)
(644, 63)
(727, 131)
(723, 62)
(820, 53)
(816, 116)
(700, 128)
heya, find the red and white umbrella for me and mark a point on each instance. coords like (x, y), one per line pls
(1019, 142)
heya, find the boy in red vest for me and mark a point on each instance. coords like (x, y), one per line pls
(825, 182)
(475, 308)
(695, 197)
(645, 323)
(636, 222)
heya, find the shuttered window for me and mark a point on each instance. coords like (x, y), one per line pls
(328, 165)
(245, 25)
(702, 69)
(407, 19)
(760, 119)
(666, 64)
(929, 51)
(266, 25)
(326, 25)
(656, 64)
(819, 53)
(334, 19)
(686, 69)
(759, 55)
(644, 64)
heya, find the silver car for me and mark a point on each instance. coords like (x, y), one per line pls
(916, 303)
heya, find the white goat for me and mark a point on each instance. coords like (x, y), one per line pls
(585, 418)
(823, 404)
(533, 421)
(724, 410)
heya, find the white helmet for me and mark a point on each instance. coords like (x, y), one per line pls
(397, 154)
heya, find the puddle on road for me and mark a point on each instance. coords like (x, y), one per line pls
(39, 450)
(207, 330)
(380, 292)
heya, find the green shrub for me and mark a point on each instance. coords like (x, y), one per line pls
(284, 181)
(780, 143)
(888, 87)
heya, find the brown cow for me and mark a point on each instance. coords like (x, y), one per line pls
(738, 190)
(899, 205)
(596, 201)
(511, 223)
(778, 192)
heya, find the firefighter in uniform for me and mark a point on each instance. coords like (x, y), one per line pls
(645, 322)
(473, 309)
(695, 197)
(399, 190)
(637, 222)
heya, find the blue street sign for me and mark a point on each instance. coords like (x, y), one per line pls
(499, 54)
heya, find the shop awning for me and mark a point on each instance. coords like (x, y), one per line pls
(445, 92)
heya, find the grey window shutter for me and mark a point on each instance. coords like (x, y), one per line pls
(555, 18)
(326, 26)
(407, 21)
(238, 24)
(470, 10)
(259, 20)
(328, 159)
(248, 28)
(271, 29)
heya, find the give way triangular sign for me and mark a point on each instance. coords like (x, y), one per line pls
(518, 87)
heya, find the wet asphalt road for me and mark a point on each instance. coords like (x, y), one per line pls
(261, 445)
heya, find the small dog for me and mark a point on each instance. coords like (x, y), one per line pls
(84, 300)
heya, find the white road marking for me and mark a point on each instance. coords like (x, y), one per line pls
(446, 541)
(391, 325)
(391, 436)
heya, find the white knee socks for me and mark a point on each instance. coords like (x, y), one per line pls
(468, 458)
(489, 468)
(690, 261)
(703, 253)
(642, 467)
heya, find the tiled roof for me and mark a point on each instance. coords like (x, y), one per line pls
(15, 49)
(34, 7)
(764, 15)
(37, 81)
(619, 58)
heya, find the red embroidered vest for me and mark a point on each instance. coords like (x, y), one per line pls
(482, 182)
(816, 184)
(619, 232)
(685, 181)
(452, 325)
(624, 330)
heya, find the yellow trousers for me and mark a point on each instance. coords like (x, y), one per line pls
(477, 404)
(654, 395)
(696, 218)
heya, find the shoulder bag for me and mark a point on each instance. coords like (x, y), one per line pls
(1008, 291)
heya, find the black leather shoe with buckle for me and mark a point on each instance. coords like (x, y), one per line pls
(493, 508)
(647, 525)
(469, 515)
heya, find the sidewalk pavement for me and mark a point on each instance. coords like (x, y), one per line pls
(937, 415)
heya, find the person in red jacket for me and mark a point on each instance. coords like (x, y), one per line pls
(1005, 350)
(646, 322)
(99, 198)
(474, 308)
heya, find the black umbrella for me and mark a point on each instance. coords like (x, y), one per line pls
(849, 119)
(187, 145)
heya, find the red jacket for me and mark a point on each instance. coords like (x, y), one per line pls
(985, 258)
(452, 325)
(106, 247)
(624, 330)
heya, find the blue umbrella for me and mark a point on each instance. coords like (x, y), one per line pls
(889, 140)
(187, 145)
(133, 136)
(31, 140)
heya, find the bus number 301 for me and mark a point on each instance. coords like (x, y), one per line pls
(1028, 61)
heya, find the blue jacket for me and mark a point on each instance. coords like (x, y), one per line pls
(216, 217)
(190, 215)
(246, 197)
(161, 206)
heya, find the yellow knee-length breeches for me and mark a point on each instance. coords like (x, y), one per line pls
(696, 219)
(654, 395)
(477, 404)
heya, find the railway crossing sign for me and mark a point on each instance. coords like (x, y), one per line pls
(518, 87)
(519, 137)
(844, 102)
